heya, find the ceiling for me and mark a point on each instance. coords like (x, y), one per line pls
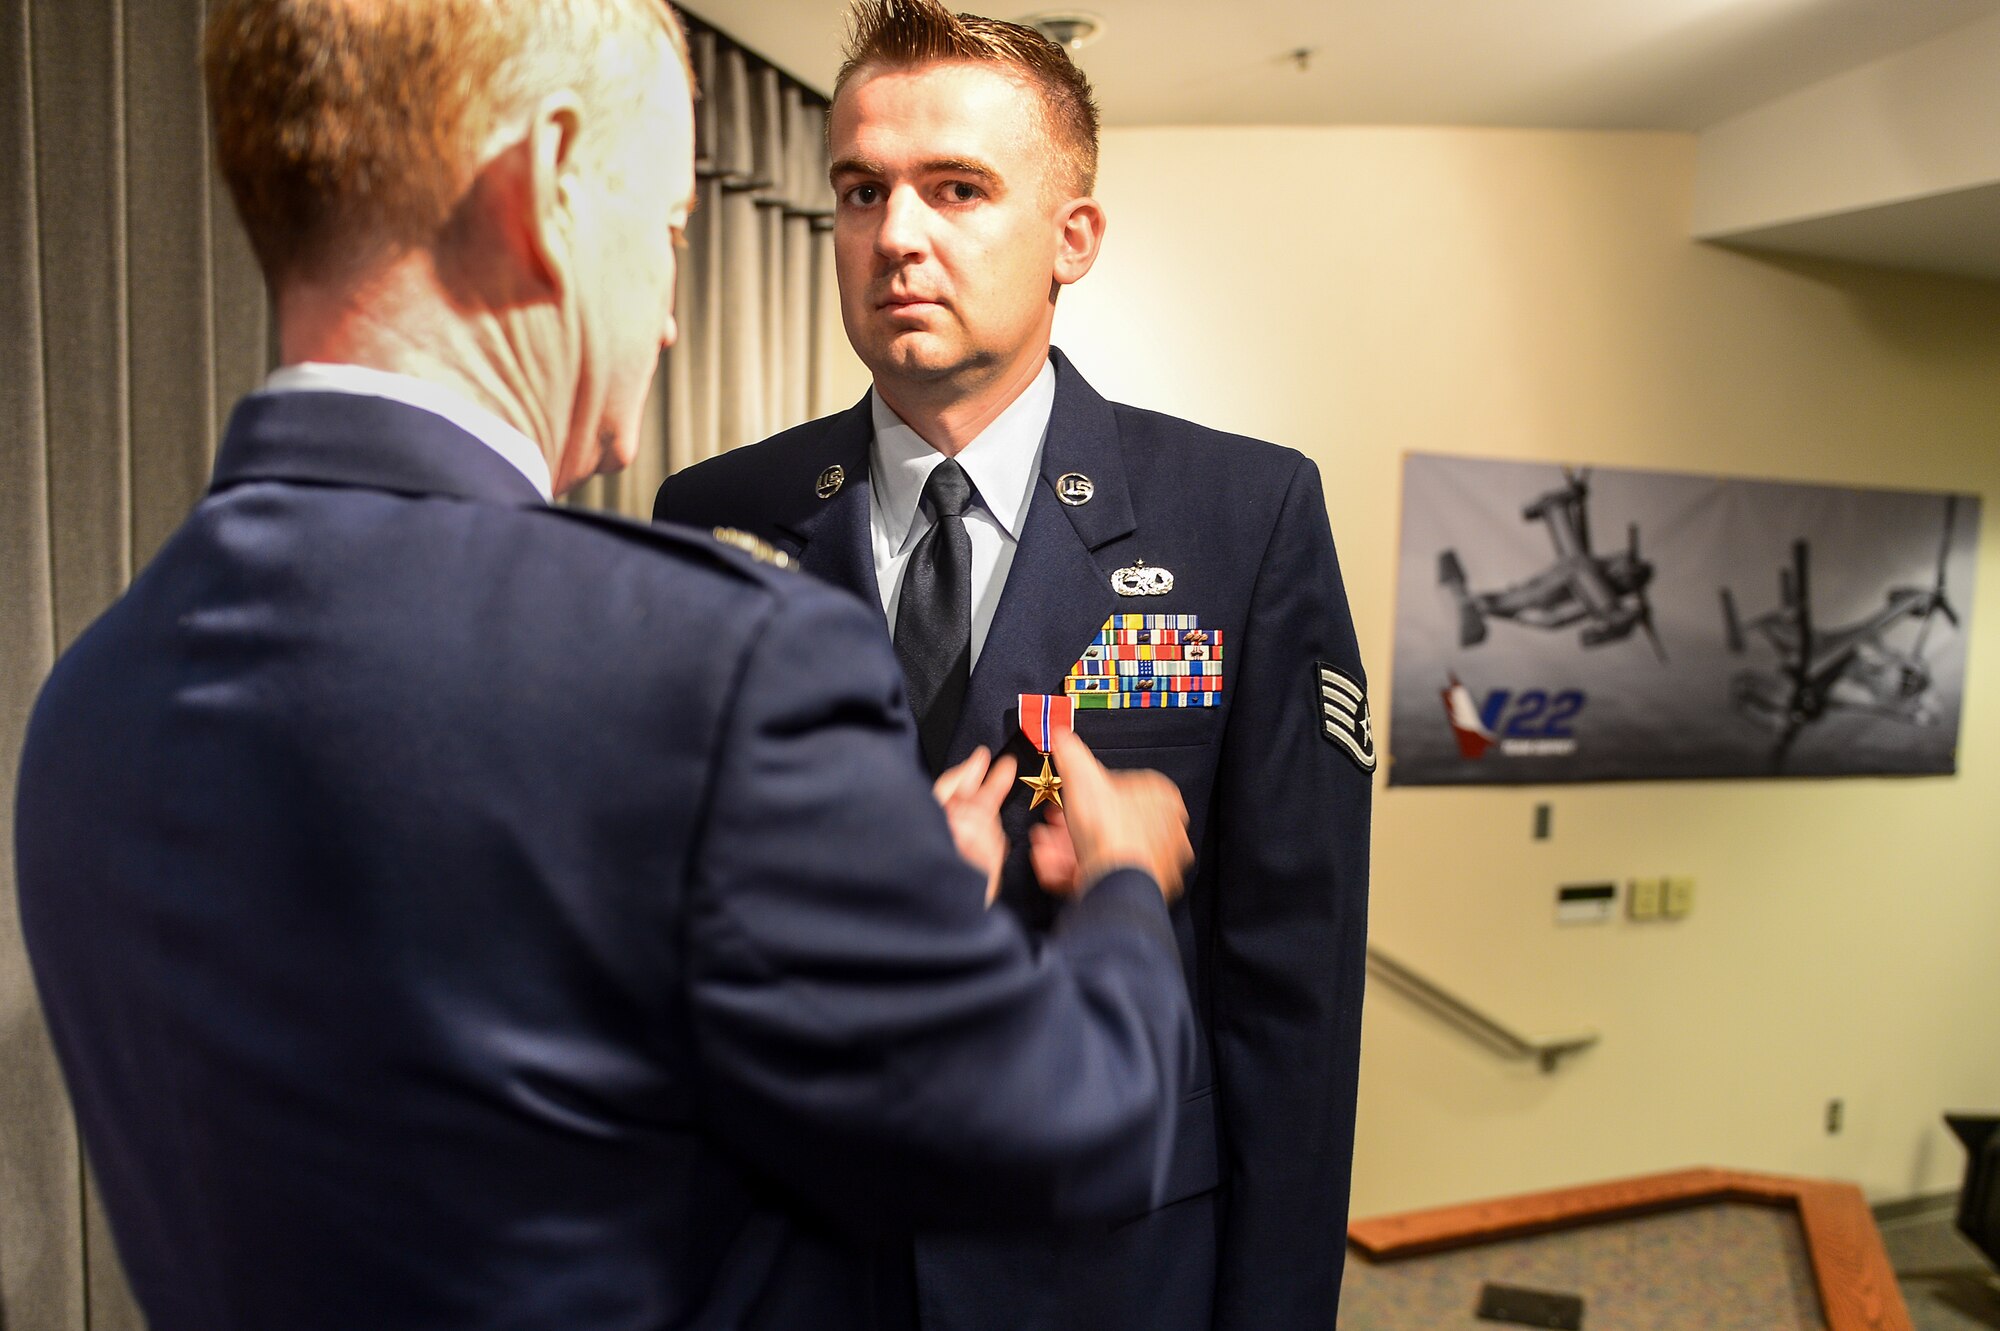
(1722, 66)
(1569, 64)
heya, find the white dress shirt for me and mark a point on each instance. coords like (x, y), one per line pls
(320, 377)
(1002, 464)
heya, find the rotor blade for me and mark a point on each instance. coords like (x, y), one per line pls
(1784, 748)
(1803, 589)
(1938, 606)
(1732, 627)
(1944, 546)
(1646, 623)
(1937, 601)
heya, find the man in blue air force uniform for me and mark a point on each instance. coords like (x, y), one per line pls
(1177, 586)
(455, 912)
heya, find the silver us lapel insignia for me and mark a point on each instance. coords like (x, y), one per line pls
(1343, 716)
(1141, 580)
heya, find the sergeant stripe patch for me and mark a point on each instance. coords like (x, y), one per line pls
(1343, 716)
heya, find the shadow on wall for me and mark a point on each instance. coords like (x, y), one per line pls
(1945, 319)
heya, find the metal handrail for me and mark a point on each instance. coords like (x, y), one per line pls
(1450, 1008)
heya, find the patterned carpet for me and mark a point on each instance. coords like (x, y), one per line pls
(1719, 1267)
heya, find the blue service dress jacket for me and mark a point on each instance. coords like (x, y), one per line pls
(1276, 766)
(455, 912)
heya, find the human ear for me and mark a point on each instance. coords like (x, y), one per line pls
(1077, 242)
(552, 178)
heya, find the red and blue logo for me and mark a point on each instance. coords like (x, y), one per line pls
(1529, 723)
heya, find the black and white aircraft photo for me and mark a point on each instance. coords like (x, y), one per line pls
(1867, 666)
(1604, 593)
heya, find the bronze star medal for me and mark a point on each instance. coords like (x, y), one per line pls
(1043, 717)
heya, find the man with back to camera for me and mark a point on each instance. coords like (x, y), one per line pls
(456, 912)
(1037, 549)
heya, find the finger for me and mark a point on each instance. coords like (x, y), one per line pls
(962, 777)
(1160, 788)
(1052, 857)
(999, 783)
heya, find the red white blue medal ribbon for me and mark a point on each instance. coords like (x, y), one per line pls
(1043, 717)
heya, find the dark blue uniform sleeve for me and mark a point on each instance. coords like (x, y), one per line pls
(1292, 911)
(867, 1031)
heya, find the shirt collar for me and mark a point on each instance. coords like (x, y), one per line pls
(469, 416)
(1001, 462)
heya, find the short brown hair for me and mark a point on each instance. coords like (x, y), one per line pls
(346, 128)
(904, 33)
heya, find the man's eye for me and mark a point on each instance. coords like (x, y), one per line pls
(864, 196)
(960, 192)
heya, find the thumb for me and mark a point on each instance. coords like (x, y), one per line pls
(1082, 774)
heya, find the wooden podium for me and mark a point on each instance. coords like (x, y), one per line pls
(1712, 1249)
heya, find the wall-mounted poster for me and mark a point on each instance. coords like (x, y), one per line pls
(1595, 624)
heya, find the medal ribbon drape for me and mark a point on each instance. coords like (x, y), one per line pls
(1043, 717)
(934, 616)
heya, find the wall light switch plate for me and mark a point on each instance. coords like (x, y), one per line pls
(1644, 903)
(1678, 899)
(1585, 903)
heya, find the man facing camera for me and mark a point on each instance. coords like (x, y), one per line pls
(1036, 549)
(457, 912)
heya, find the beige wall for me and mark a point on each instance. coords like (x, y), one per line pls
(1363, 293)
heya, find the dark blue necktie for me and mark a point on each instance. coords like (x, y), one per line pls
(934, 614)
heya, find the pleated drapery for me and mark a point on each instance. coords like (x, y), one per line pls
(131, 317)
(756, 304)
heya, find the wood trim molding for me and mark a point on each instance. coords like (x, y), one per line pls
(1857, 1287)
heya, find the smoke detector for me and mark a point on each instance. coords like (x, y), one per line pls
(1072, 31)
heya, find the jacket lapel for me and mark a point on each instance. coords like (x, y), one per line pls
(833, 533)
(1058, 590)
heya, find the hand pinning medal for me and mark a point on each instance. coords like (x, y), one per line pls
(1043, 717)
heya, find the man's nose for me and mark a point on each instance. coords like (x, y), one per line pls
(905, 226)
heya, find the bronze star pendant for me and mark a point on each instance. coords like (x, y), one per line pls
(1047, 787)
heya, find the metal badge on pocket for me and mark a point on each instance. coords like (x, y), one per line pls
(1142, 580)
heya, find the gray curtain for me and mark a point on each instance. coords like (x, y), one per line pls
(756, 304)
(132, 317)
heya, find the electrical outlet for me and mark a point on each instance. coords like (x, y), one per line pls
(1677, 897)
(1644, 901)
(1836, 1111)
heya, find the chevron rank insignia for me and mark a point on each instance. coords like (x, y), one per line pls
(1343, 716)
(1142, 661)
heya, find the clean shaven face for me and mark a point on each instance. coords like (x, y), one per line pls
(643, 199)
(947, 227)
